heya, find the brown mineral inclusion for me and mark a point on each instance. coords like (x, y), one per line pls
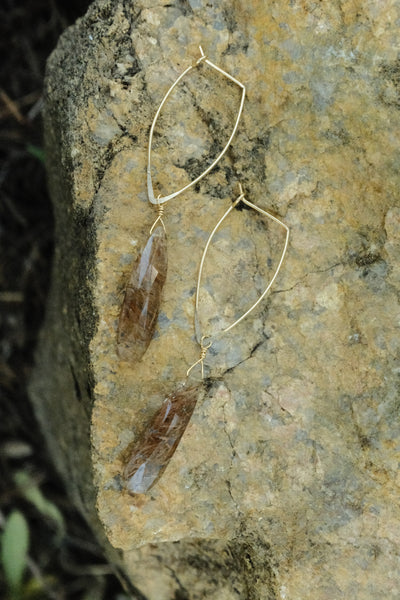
(152, 452)
(141, 305)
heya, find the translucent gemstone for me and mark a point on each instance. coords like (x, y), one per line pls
(141, 305)
(151, 454)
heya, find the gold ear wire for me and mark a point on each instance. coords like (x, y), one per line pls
(141, 304)
(203, 59)
(240, 198)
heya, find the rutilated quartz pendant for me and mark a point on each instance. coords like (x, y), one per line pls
(150, 455)
(141, 305)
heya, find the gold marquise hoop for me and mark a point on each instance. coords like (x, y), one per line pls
(202, 60)
(241, 198)
(141, 304)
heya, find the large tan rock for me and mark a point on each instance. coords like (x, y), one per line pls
(285, 484)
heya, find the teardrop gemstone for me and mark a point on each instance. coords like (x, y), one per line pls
(141, 305)
(150, 455)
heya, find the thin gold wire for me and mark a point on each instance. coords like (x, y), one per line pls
(159, 219)
(200, 361)
(240, 198)
(203, 59)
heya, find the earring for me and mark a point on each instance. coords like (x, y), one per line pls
(141, 304)
(150, 455)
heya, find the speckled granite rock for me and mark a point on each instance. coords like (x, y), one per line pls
(286, 482)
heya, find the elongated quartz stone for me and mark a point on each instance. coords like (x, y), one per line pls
(151, 454)
(141, 305)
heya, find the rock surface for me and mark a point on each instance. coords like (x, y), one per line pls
(286, 482)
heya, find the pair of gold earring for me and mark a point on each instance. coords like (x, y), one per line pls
(151, 453)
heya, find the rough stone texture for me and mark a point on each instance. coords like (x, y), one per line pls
(286, 482)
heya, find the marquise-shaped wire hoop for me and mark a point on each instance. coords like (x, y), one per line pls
(199, 334)
(202, 59)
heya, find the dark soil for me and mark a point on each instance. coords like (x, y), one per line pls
(60, 564)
